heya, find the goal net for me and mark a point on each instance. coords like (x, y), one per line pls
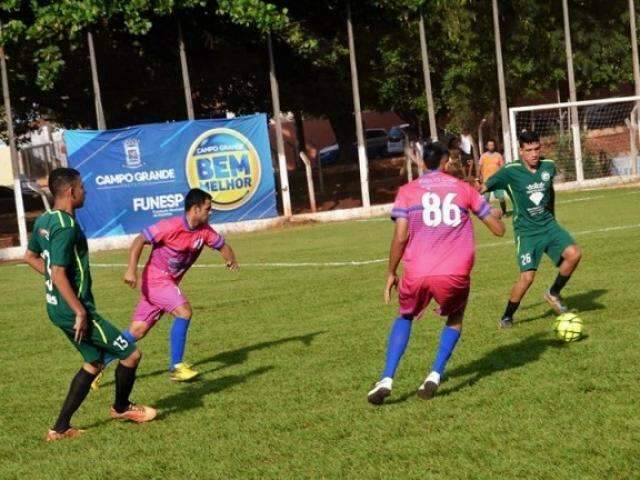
(588, 140)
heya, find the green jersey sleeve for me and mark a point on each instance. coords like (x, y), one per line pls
(497, 181)
(62, 243)
(34, 244)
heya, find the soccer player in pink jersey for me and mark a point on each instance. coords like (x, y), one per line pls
(434, 239)
(176, 244)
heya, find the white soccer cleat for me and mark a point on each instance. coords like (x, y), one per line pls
(380, 391)
(429, 387)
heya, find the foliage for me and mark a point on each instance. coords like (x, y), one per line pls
(48, 43)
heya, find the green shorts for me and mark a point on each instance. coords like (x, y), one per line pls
(553, 242)
(101, 337)
(497, 194)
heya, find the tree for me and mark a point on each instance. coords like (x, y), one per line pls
(139, 67)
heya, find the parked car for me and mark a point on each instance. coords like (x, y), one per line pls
(376, 142)
(376, 145)
(329, 155)
(396, 138)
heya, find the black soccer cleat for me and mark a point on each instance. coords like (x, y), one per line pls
(506, 322)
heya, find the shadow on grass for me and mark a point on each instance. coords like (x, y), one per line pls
(581, 302)
(192, 397)
(503, 358)
(238, 356)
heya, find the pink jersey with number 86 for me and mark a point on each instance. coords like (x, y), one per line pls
(441, 240)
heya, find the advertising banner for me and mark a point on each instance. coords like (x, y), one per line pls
(137, 175)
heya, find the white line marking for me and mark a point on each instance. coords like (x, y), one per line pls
(377, 219)
(582, 199)
(356, 263)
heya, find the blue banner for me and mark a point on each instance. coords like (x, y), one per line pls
(137, 175)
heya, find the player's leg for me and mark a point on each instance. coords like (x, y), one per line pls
(529, 252)
(144, 318)
(413, 299)
(80, 384)
(110, 340)
(123, 408)
(180, 371)
(396, 346)
(567, 255)
(451, 293)
(78, 390)
(518, 291)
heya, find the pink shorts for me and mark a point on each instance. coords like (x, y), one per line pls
(449, 291)
(157, 299)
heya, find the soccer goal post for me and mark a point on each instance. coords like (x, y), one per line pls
(589, 140)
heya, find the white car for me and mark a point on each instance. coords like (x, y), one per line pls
(396, 137)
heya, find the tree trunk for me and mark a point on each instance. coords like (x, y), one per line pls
(344, 131)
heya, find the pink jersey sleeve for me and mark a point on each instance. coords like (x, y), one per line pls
(158, 232)
(213, 239)
(477, 204)
(401, 205)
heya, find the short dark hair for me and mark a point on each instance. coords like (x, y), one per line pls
(195, 197)
(62, 178)
(528, 136)
(432, 155)
(490, 140)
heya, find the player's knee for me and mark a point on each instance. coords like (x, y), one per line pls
(455, 321)
(573, 253)
(184, 311)
(93, 368)
(139, 329)
(528, 277)
(133, 359)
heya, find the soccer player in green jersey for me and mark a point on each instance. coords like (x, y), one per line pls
(58, 250)
(529, 184)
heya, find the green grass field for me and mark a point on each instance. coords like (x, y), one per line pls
(288, 354)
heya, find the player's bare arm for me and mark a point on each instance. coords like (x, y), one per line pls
(229, 257)
(61, 282)
(494, 223)
(131, 275)
(34, 261)
(398, 244)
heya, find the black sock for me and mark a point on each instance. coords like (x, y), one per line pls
(78, 391)
(503, 206)
(125, 378)
(511, 309)
(559, 284)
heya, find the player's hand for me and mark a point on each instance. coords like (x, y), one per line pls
(496, 212)
(80, 325)
(392, 281)
(232, 266)
(131, 278)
